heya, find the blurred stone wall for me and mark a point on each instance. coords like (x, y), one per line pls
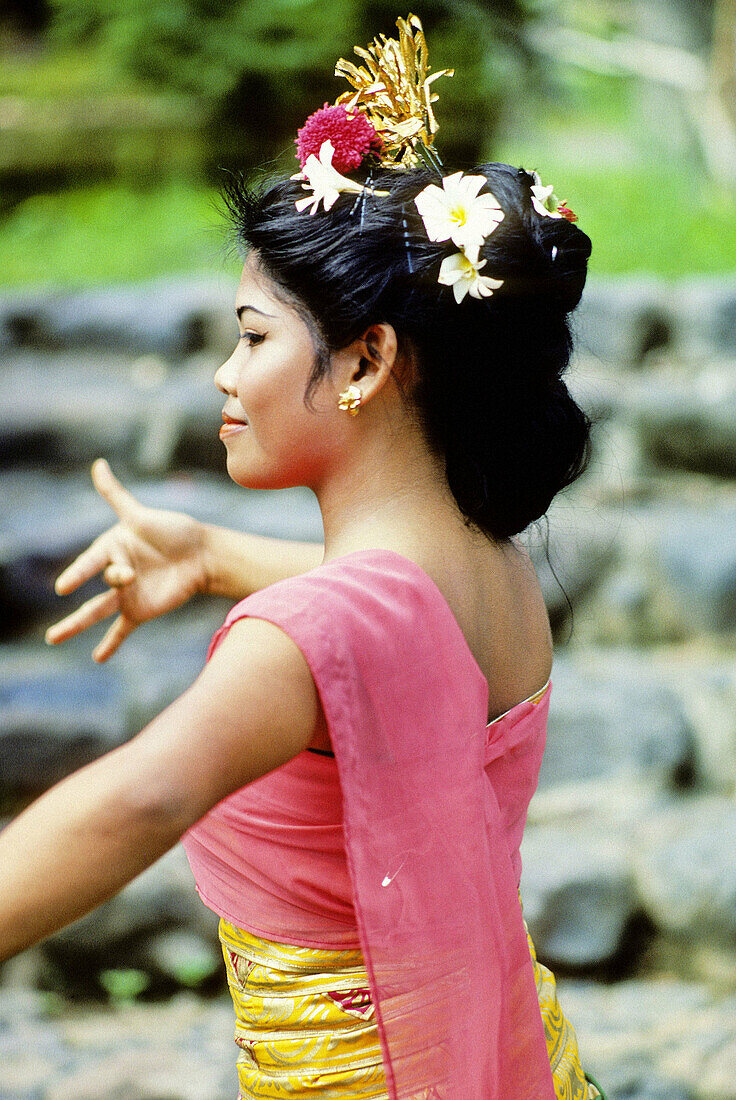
(629, 880)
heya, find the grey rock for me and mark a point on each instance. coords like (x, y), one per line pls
(59, 710)
(635, 1082)
(177, 1050)
(706, 313)
(23, 972)
(706, 686)
(23, 1004)
(46, 521)
(169, 316)
(696, 553)
(718, 1082)
(27, 1027)
(688, 421)
(620, 320)
(64, 409)
(626, 611)
(164, 657)
(158, 1073)
(615, 805)
(582, 543)
(161, 420)
(578, 894)
(612, 713)
(53, 718)
(19, 318)
(641, 1034)
(685, 869)
(634, 607)
(78, 514)
(675, 573)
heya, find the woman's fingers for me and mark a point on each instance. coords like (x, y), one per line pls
(91, 612)
(115, 636)
(97, 556)
(83, 568)
(118, 574)
(116, 495)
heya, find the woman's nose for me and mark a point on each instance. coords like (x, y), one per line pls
(225, 376)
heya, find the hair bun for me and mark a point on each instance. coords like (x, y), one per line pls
(566, 250)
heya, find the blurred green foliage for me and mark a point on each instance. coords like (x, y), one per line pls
(127, 110)
(106, 233)
(124, 986)
(204, 47)
(112, 233)
(257, 69)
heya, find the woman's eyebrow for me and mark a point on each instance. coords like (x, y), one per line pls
(241, 310)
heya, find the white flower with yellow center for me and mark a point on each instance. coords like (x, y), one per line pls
(461, 271)
(325, 181)
(544, 200)
(456, 212)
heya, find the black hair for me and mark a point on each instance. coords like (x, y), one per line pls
(489, 392)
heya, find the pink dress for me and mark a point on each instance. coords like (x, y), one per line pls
(434, 805)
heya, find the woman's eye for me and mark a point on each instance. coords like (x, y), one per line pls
(252, 338)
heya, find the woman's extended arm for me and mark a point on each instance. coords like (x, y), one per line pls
(237, 563)
(154, 560)
(253, 707)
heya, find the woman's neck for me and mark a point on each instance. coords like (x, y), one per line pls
(391, 495)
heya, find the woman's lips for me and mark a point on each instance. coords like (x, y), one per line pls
(231, 426)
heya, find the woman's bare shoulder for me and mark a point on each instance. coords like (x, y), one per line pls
(495, 595)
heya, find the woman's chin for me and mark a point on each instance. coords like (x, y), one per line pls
(248, 478)
(236, 472)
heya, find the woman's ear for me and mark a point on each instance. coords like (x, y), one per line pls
(368, 361)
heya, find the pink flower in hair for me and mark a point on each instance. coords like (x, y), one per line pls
(566, 212)
(352, 137)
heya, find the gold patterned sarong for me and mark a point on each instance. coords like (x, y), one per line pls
(305, 1023)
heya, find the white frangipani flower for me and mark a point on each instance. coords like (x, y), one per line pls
(544, 200)
(461, 271)
(325, 181)
(456, 212)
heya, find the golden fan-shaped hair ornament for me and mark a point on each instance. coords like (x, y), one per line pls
(393, 90)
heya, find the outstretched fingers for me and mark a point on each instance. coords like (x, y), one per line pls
(91, 612)
(116, 495)
(90, 562)
(118, 574)
(97, 556)
(115, 636)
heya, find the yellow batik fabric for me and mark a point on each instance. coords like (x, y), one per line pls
(562, 1045)
(305, 1023)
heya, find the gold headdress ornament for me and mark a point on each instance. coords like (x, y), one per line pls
(393, 91)
(388, 119)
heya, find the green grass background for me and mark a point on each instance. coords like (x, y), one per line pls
(645, 209)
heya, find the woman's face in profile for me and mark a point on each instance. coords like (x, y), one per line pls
(273, 440)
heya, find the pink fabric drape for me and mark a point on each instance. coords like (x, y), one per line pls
(434, 804)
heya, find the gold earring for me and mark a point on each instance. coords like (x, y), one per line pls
(350, 399)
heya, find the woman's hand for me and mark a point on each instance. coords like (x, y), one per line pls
(153, 560)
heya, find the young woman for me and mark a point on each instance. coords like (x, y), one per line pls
(351, 770)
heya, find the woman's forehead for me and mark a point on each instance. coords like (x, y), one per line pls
(256, 289)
